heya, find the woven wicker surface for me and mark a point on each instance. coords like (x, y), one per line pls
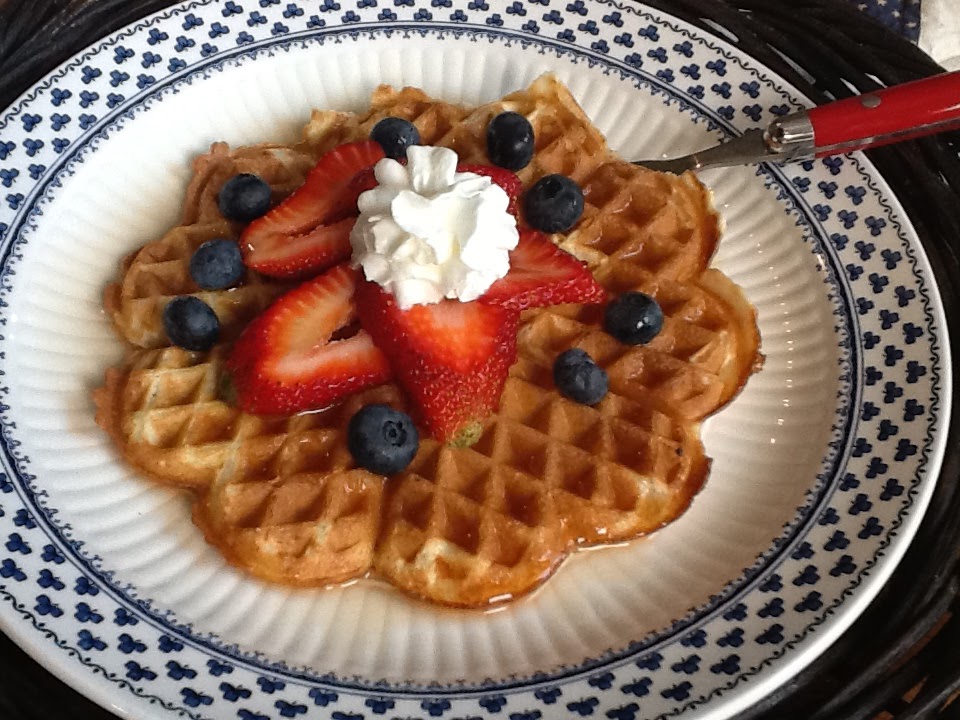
(900, 659)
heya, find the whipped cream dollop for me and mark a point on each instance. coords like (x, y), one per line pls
(428, 232)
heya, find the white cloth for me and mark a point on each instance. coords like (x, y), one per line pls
(940, 31)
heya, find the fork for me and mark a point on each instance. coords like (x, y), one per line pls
(897, 113)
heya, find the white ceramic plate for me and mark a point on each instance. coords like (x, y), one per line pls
(823, 466)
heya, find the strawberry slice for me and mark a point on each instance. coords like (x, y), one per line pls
(359, 183)
(452, 358)
(286, 362)
(297, 257)
(504, 178)
(310, 230)
(542, 274)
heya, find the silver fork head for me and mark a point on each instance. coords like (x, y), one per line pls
(677, 166)
(749, 148)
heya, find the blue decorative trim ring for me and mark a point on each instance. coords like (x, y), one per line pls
(699, 113)
(700, 657)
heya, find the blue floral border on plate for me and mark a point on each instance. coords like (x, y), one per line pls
(156, 93)
(786, 188)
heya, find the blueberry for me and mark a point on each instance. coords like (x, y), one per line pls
(244, 197)
(633, 318)
(395, 135)
(579, 378)
(191, 323)
(381, 439)
(217, 264)
(510, 141)
(553, 204)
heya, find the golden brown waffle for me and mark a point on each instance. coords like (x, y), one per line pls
(296, 513)
(468, 526)
(160, 270)
(662, 222)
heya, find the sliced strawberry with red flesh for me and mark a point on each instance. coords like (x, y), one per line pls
(280, 256)
(426, 346)
(457, 335)
(290, 240)
(285, 361)
(319, 199)
(542, 274)
(501, 176)
(359, 183)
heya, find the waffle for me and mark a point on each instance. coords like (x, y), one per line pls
(282, 498)
(296, 510)
(160, 270)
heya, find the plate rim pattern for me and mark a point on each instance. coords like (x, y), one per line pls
(138, 103)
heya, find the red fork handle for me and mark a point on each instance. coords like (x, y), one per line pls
(897, 113)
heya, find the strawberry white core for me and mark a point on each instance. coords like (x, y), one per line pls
(428, 232)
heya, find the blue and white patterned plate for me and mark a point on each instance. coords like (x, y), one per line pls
(823, 466)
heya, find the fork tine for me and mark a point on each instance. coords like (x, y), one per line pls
(677, 166)
(748, 149)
